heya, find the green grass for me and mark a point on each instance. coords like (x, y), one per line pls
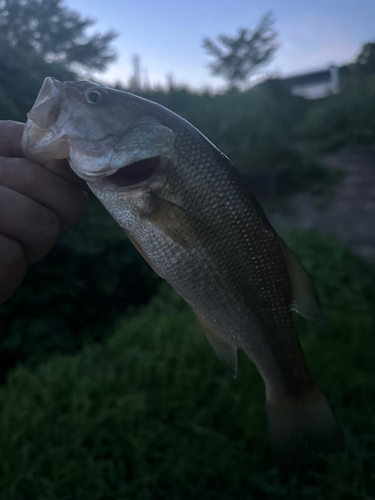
(151, 413)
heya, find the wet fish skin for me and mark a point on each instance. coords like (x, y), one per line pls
(200, 228)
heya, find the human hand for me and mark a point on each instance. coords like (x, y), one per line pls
(36, 205)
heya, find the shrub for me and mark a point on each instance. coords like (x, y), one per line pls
(252, 128)
(343, 120)
(91, 277)
(152, 414)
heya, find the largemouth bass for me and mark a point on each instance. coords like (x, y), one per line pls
(186, 209)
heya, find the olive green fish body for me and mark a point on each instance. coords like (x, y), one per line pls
(233, 272)
(186, 209)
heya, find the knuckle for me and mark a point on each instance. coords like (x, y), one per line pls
(46, 232)
(46, 228)
(32, 174)
(51, 225)
(18, 172)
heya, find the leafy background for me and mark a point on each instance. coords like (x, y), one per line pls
(110, 390)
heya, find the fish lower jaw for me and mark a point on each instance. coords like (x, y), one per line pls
(139, 174)
(91, 176)
(41, 145)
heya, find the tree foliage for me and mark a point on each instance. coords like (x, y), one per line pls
(366, 58)
(343, 120)
(21, 76)
(243, 54)
(92, 276)
(58, 34)
(40, 38)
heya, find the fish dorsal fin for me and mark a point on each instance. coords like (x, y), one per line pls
(305, 300)
(225, 351)
(177, 223)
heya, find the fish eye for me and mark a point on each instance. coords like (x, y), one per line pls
(93, 96)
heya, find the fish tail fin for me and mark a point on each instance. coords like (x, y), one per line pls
(298, 426)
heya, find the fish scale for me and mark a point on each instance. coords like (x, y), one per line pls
(186, 209)
(241, 249)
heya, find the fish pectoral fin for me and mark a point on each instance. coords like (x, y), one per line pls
(177, 223)
(305, 300)
(225, 351)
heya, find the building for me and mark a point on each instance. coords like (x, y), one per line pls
(316, 84)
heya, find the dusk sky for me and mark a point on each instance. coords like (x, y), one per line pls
(167, 34)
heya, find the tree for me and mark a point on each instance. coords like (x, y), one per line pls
(135, 83)
(243, 54)
(366, 58)
(21, 76)
(58, 34)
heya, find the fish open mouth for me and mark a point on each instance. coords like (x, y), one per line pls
(135, 173)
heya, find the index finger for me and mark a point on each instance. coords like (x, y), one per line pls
(10, 139)
(10, 147)
(62, 169)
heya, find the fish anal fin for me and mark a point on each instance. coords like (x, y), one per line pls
(224, 350)
(305, 300)
(177, 223)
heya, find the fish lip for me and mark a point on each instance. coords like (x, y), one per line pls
(106, 172)
(97, 176)
(33, 144)
(91, 160)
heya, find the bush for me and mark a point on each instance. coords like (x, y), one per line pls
(152, 414)
(255, 129)
(21, 76)
(91, 277)
(343, 120)
(252, 128)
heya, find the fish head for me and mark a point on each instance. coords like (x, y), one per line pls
(99, 130)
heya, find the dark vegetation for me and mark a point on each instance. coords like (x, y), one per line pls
(92, 276)
(344, 120)
(54, 33)
(148, 412)
(21, 76)
(152, 414)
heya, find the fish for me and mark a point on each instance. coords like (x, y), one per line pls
(186, 209)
